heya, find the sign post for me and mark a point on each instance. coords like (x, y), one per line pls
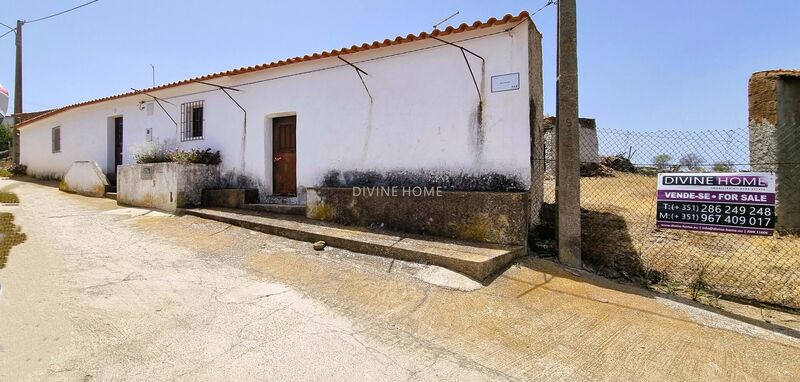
(741, 203)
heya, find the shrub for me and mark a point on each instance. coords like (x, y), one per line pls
(6, 135)
(487, 181)
(661, 161)
(153, 152)
(18, 169)
(196, 156)
(157, 152)
(693, 162)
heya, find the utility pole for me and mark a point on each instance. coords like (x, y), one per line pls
(17, 94)
(568, 181)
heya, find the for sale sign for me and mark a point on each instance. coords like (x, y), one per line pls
(742, 203)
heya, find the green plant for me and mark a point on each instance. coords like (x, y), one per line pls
(197, 156)
(158, 152)
(699, 284)
(153, 152)
(5, 137)
(18, 169)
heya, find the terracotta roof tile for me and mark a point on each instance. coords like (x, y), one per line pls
(249, 69)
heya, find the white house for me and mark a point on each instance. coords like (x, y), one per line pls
(464, 100)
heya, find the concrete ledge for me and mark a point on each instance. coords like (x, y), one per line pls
(477, 261)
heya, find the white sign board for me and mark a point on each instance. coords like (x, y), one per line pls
(741, 203)
(505, 82)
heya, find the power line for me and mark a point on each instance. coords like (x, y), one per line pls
(61, 13)
(448, 18)
(549, 3)
(10, 29)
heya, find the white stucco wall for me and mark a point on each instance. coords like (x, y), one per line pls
(422, 115)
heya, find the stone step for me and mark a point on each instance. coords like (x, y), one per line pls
(280, 199)
(288, 209)
(475, 260)
(110, 195)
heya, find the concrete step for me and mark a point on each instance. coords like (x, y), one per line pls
(288, 209)
(110, 195)
(476, 260)
(280, 199)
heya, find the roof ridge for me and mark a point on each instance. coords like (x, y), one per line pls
(463, 27)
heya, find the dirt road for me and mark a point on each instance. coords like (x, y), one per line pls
(101, 292)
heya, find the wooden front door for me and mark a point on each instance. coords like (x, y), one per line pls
(284, 156)
(117, 142)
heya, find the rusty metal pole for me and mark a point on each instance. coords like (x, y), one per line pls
(568, 181)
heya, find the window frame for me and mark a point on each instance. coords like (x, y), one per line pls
(55, 131)
(189, 122)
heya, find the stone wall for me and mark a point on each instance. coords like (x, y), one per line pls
(230, 198)
(774, 124)
(589, 145)
(165, 186)
(488, 217)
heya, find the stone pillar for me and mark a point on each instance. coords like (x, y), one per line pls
(568, 181)
(536, 123)
(774, 126)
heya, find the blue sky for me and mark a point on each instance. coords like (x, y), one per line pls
(644, 64)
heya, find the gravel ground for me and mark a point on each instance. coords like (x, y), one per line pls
(101, 292)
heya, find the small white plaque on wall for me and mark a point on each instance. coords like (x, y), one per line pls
(505, 82)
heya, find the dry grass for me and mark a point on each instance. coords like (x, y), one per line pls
(8, 198)
(619, 232)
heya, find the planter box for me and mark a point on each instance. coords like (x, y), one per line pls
(165, 186)
(487, 217)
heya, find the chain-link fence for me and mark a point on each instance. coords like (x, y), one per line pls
(618, 199)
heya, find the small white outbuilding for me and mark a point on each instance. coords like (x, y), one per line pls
(465, 100)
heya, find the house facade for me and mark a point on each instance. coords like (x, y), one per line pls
(464, 100)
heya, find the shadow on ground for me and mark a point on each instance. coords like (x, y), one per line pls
(606, 243)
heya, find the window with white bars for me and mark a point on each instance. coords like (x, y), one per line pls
(192, 121)
(55, 135)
